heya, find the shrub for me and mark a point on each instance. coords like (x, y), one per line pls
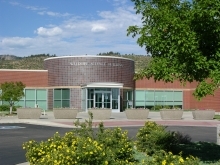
(118, 143)
(176, 107)
(7, 108)
(156, 107)
(66, 150)
(166, 107)
(164, 158)
(153, 137)
(83, 146)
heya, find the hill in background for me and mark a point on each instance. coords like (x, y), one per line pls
(35, 62)
(141, 61)
(31, 62)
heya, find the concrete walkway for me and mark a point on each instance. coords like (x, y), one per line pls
(117, 119)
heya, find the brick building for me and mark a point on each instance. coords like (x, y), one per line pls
(100, 81)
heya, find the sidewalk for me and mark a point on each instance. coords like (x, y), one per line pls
(117, 119)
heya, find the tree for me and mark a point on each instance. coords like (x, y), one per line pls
(11, 92)
(183, 38)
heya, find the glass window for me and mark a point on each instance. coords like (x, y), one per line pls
(57, 94)
(20, 103)
(114, 104)
(149, 95)
(61, 98)
(159, 95)
(57, 104)
(130, 95)
(65, 94)
(178, 96)
(162, 98)
(30, 103)
(127, 99)
(168, 95)
(41, 94)
(149, 103)
(42, 104)
(90, 93)
(140, 103)
(103, 89)
(98, 105)
(177, 103)
(30, 94)
(65, 103)
(90, 103)
(115, 93)
(139, 95)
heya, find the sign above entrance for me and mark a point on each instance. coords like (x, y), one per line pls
(96, 63)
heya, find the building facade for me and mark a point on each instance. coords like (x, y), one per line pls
(100, 81)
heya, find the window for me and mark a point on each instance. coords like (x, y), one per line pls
(150, 98)
(61, 98)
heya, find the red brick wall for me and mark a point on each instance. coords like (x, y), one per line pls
(145, 83)
(31, 78)
(75, 98)
(209, 102)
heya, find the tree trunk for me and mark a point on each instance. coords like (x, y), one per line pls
(10, 109)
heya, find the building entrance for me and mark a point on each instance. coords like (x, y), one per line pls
(101, 95)
(102, 99)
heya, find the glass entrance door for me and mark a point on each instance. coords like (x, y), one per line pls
(102, 99)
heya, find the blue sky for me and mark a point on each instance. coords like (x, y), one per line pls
(67, 27)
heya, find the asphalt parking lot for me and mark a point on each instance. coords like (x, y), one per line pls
(12, 138)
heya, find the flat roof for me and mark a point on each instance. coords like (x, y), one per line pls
(103, 85)
(24, 70)
(93, 56)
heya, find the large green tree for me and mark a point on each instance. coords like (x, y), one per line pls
(11, 92)
(183, 38)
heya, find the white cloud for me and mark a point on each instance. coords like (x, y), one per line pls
(16, 42)
(98, 28)
(49, 32)
(34, 8)
(70, 26)
(41, 10)
(54, 14)
(119, 2)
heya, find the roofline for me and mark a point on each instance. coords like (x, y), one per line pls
(23, 70)
(103, 85)
(93, 56)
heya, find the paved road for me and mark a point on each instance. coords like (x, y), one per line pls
(11, 140)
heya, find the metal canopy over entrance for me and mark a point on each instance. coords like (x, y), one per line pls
(101, 95)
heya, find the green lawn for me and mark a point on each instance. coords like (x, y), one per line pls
(217, 117)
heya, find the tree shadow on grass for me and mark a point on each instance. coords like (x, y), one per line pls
(205, 151)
